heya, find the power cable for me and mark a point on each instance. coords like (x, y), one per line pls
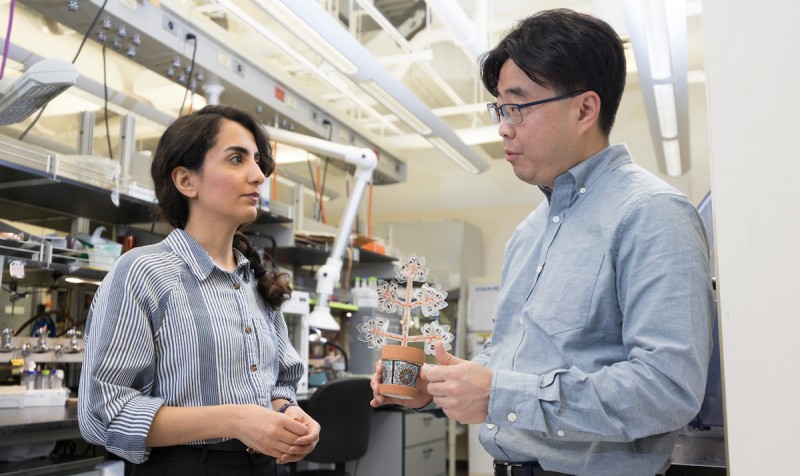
(80, 48)
(8, 37)
(189, 36)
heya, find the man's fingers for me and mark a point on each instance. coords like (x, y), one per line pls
(444, 357)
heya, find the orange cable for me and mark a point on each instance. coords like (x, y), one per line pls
(275, 172)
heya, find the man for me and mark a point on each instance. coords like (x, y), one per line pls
(602, 328)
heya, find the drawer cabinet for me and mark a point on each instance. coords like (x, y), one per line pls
(405, 444)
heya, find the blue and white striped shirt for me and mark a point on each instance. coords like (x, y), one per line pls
(169, 327)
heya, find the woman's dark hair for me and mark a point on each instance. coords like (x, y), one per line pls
(565, 51)
(185, 143)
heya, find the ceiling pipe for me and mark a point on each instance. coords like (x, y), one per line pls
(371, 71)
(470, 36)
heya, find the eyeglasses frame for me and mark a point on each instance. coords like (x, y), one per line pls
(501, 110)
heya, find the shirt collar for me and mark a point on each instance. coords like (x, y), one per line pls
(197, 258)
(587, 172)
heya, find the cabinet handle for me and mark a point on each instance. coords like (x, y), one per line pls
(427, 452)
(427, 420)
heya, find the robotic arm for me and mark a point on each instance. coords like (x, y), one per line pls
(365, 161)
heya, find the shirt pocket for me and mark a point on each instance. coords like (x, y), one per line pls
(564, 296)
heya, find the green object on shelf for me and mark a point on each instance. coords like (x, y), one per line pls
(336, 305)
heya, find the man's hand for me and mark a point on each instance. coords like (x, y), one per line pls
(459, 387)
(423, 397)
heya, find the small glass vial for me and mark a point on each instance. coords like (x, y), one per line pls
(57, 378)
(28, 379)
(45, 385)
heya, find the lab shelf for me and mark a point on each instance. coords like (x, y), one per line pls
(44, 188)
(302, 254)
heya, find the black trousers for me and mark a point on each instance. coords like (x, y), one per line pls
(203, 461)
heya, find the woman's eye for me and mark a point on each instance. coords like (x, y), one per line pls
(236, 158)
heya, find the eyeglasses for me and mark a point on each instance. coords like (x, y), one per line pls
(513, 112)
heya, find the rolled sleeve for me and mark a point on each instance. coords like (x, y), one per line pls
(115, 408)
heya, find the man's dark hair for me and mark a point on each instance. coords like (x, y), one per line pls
(565, 51)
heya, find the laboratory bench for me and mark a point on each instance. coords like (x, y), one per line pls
(34, 427)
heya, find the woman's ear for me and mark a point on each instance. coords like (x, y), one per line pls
(185, 181)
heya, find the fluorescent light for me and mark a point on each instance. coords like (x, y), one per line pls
(667, 113)
(308, 35)
(453, 154)
(333, 80)
(383, 97)
(657, 35)
(74, 280)
(672, 157)
(35, 88)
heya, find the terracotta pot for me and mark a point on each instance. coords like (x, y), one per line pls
(401, 366)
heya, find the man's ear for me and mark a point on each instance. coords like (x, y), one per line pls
(185, 181)
(589, 110)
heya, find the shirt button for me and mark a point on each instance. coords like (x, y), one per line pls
(489, 426)
(253, 367)
(560, 433)
(538, 269)
(235, 285)
(582, 190)
(512, 417)
(521, 321)
(248, 330)
(556, 219)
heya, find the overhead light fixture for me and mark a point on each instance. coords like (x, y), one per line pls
(371, 71)
(453, 154)
(380, 95)
(672, 157)
(333, 80)
(665, 105)
(659, 39)
(75, 280)
(308, 35)
(35, 88)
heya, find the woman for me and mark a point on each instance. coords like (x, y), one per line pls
(188, 367)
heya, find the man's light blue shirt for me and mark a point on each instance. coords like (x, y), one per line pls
(602, 331)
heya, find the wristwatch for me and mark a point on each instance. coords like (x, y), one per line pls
(286, 405)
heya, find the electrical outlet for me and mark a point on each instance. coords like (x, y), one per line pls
(170, 25)
(238, 68)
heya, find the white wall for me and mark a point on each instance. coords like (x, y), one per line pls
(752, 72)
(495, 223)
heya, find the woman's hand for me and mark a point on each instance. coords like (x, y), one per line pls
(305, 444)
(276, 434)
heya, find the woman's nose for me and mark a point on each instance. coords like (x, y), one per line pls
(256, 175)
